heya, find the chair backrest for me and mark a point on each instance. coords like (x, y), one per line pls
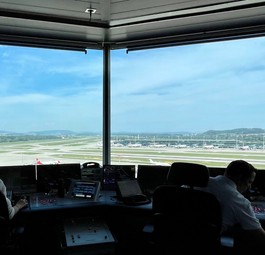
(186, 220)
(189, 174)
(4, 220)
(3, 207)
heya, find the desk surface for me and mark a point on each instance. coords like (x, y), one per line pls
(50, 201)
(42, 202)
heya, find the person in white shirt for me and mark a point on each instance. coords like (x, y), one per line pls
(12, 210)
(238, 214)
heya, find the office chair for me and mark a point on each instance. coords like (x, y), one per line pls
(4, 221)
(9, 234)
(186, 220)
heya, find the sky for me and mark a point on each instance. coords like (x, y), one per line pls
(193, 88)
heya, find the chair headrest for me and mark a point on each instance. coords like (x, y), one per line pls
(191, 174)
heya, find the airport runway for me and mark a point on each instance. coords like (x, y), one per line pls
(83, 150)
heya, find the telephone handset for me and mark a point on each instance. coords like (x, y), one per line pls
(91, 165)
(92, 171)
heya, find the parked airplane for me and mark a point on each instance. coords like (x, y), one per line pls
(158, 145)
(159, 163)
(134, 145)
(208, 147)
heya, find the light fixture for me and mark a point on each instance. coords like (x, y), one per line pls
(90, 10)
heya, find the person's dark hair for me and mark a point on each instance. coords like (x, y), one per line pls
(240, 169)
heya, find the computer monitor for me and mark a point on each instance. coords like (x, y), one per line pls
(151, 176)
(50, 177)
(114, 173)
(258, 186)
(19, 178)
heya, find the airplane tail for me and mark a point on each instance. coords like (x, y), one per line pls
(38, 162)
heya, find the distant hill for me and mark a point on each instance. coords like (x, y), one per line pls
(40, 133)
(52, 132)
(236, 131)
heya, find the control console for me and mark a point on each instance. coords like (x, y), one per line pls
(90, 234)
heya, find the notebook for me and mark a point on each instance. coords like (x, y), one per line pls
(129, 191)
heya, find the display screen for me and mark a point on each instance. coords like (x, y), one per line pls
(151, 176)
(49, 177)
(19, 178)
(114, 173)
(84, 189)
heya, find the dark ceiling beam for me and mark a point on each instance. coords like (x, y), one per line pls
(43, 42)
(52, 19)
(192, 38)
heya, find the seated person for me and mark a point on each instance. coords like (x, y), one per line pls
(238, 214)
(12, 210)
